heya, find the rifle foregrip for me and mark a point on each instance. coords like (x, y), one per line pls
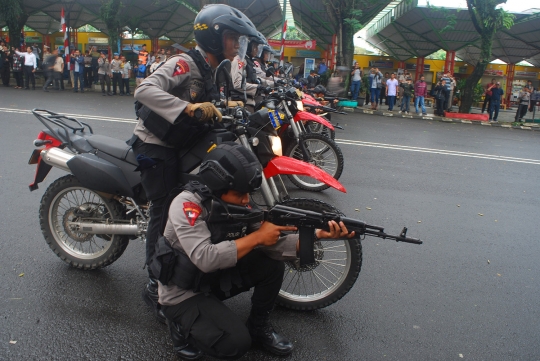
(305, 252)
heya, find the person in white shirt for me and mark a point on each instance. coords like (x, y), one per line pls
(30, 65)
(391, 90)
(155, 64)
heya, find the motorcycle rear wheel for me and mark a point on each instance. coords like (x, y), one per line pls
(338, 264)
(323, 153)
(65, 200)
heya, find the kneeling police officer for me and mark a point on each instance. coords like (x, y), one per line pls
(216, 258)
(174, 106)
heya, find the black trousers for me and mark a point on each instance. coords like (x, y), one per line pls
(440, 107)
(58, 80)
(5, 74)
(29, 76)
(49, 77)
(521, 111)
(18, 75)
(117, 81)
(104, 78)
(88, 76)
(487, 101)
(124, 87)
(211, 326)
(157, 180)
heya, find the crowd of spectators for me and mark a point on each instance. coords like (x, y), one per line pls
(80, 73)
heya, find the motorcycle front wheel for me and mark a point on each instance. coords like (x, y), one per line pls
(336, 268)
(323, 152)
(318, 128)
(66, 201)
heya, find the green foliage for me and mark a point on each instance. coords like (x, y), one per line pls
(12, 12)
(438, 55)
(352, 21)
(478, 90)
(365, 84)
(110, 14)
(292, 34)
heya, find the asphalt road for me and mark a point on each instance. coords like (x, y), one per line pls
(471, 291)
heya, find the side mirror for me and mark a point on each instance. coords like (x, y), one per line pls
(270, 71)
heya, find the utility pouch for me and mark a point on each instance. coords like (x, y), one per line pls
(178, 134)
(186, 274)
(164, 261)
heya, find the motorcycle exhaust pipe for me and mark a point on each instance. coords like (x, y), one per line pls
(57, 157)
(102, 228)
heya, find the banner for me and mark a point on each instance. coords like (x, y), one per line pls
(308, 54)
(493, 72)
(98, 41)
(309, 64)
(381, 64)
(299, 44)
(526, 74)
(409, 66)
(33, 39)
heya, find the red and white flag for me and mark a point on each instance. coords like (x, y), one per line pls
(283, 36)
(64, 30)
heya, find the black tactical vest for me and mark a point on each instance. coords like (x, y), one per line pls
(173, 266)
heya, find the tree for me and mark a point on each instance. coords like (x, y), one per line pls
(13, 13)
(487, 20)
(109, 12)
(346, 17)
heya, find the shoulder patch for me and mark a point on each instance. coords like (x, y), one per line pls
(240, 65)
(256, 63)
(181, 68)
(192, 212)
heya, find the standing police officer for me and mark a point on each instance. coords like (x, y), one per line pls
(175, 104)
(247, 85)
(217, 258)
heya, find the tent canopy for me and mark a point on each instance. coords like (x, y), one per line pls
(174, 18)
(416, 32)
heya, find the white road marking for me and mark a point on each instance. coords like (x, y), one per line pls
(339, 141)
(438, 151)
(81, 116)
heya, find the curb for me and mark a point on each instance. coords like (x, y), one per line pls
(525, 126)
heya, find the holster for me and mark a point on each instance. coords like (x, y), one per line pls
(178, 134)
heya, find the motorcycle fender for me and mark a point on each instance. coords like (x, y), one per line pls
(287, 165)
(99, 175)
(42, 170)
(312, 102)
(314, 117)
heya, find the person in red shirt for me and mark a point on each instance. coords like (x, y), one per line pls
(420, 93)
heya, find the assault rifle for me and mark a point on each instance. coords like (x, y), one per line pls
(307, 222)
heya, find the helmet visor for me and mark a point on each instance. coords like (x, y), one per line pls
(234, 44)
(260, 48)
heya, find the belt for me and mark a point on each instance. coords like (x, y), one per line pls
(117, 72)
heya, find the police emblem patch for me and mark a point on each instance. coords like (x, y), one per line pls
(193, 95)
(192, 212)
(181, 68)
(240, 65)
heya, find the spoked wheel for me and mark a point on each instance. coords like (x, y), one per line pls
(318, 128)
(67, 201)
(336, 268)
(323, 153)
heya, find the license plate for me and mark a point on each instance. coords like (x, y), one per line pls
(34, 158)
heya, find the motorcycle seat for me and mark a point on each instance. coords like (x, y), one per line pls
(113, 147)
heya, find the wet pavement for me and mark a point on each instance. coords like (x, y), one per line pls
(470, 292)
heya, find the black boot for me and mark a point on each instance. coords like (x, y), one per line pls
(150, 296)
(263, 334)
(180, 345)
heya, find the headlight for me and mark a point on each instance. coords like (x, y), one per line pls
(300, 105)
(276, 145)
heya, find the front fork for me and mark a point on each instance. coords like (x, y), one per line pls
(298, 129)
(269, 189)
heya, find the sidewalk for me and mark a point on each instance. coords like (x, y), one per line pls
(505, 119)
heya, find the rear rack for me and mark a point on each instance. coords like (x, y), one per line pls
(65, 123)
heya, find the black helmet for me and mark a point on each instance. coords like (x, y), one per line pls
(231, 166)
(319, 89)
(213, 19)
